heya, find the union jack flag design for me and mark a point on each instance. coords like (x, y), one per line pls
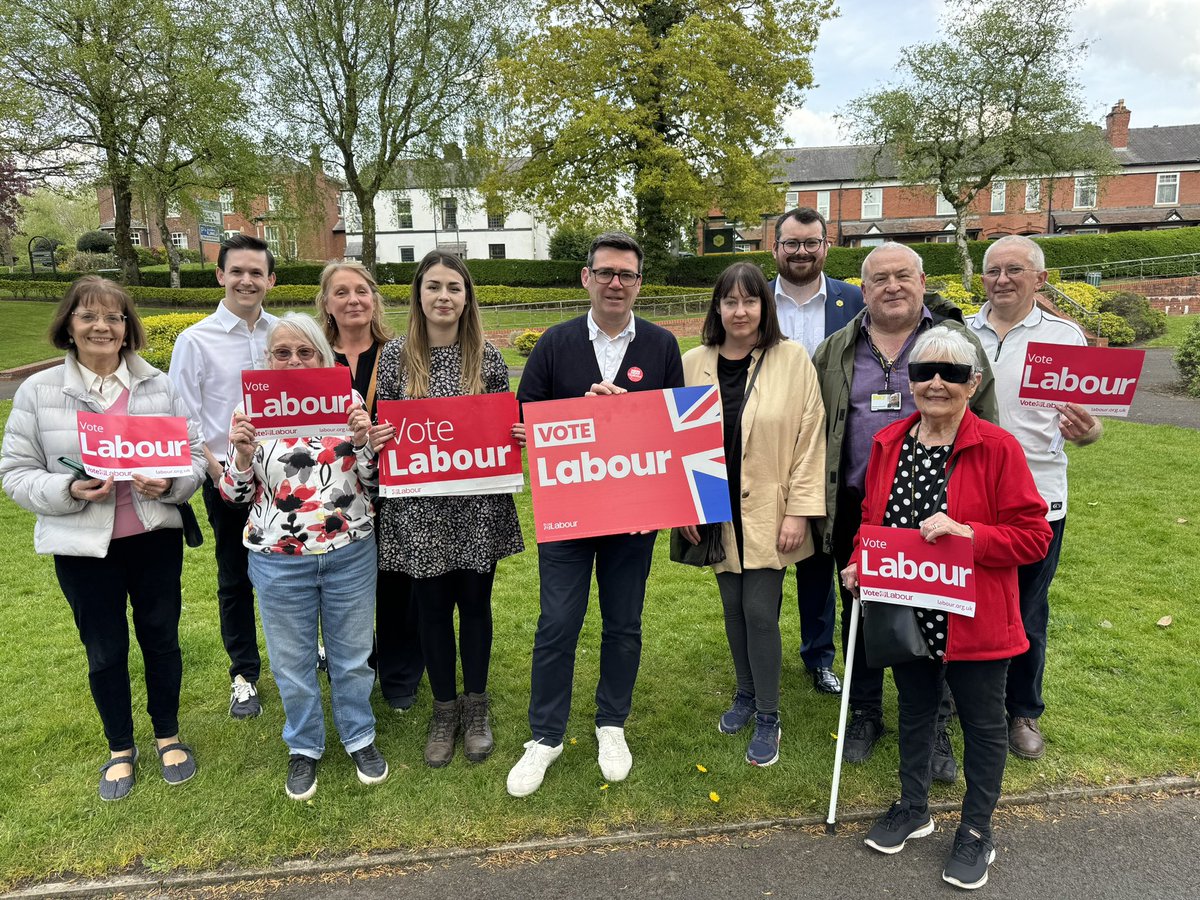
(692, 407)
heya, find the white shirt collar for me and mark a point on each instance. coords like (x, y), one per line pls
(781, 295)
(629, 330)
(106, 387)
(228, 319)
(980, 320)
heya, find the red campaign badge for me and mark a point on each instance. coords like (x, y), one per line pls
(635, 374)
(897, 565)
(119, 446)
(1100, 379)
(449, 446)
(292, 403)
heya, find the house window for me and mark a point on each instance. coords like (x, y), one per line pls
(272, 238)
(135, 238)
(823, 203)
(944, 206)
(791, 200)
(1085, 192)
(230, 232)
(1167, 190)
(449, 214)
(293, 248)
(1087, 230)
(495, 251)
(350, 216)
(173, 208)
(871, 242)
(872, 203)
(998, 191)
(1033, 195)
(403, 210)
(226, 202)
(496, 222)
(408, 254)
(274, 198)
(179, 239)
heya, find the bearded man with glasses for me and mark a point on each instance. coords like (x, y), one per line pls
(1014, 270)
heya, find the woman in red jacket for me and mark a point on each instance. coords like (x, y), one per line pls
(945, 471)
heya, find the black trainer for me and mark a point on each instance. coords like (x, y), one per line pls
(942, 764)
(301, 777)
(372, 767)
(967, 864)
(861, 736)
(896, 826)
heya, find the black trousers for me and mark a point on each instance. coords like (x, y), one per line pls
(145, 568)
(398, 658)
(979, 693)
(436, 598)
(235, 594)
(622, 566)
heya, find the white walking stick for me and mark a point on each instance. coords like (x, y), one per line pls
(831, 820)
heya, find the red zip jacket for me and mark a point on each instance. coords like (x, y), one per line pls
(992, 490)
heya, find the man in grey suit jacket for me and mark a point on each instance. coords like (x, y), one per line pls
(811, 307)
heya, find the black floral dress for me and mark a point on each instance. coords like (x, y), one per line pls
(920, 475)
(429, 536)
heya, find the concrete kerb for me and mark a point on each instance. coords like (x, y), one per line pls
(21, 372)
(308, 867)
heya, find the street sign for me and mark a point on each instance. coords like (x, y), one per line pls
(212, 221)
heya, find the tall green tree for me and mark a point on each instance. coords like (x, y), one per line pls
(994, 97)
(372, 83)
(669, 102)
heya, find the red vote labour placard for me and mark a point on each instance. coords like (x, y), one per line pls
(292, 403)
(450, 445)
(120, 446)
(1100, 379)
(634, 462)
(897, 565)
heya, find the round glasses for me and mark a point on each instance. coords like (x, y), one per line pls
(283, 354)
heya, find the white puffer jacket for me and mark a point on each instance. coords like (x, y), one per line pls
(42, 427)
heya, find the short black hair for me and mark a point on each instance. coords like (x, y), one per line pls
(245, 242)
(753, 282)
(617, 240)
(805, 215)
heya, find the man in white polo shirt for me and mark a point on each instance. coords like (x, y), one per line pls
(1014, 270)
(206, 369)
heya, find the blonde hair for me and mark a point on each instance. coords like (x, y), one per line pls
(380, 332)
(470, 331)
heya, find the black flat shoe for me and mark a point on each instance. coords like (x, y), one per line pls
(177, 773)
(119, 789)
(825, 681)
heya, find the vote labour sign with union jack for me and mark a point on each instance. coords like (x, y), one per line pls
(632, 462)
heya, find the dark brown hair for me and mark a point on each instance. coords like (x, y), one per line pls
(751, 280)
(470, 331)
(92, 290)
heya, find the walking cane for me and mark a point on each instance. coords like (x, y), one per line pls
(831, 820)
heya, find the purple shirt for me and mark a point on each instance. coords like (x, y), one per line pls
(870, 377)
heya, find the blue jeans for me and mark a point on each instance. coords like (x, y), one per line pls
(335, 590)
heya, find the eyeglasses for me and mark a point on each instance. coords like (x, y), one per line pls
(1011, 271)
(283, 354)
(810, 245)
(605, 276)
(90, 318)
(951, 373)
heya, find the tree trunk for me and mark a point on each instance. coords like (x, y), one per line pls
(164, 235)
(960, 241)
(654, 232)
(122, 215)
(366, 209)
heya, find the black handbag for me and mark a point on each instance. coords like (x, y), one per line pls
(192, 535)
(891, 635)
(709, 552)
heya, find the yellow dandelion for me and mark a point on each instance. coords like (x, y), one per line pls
(714, 796)
(573, 742)
(700, 768)
(833, 734)
(604, 787)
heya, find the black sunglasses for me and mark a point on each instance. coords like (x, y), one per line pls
(952, 373)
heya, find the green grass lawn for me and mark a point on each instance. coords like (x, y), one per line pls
(1121, 693)
(23, 335)
(1177, 329)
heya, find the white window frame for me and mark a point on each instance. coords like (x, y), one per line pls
(230, 232)
(791, 200)
(872, 203)
(1166, 180)
(871, 242)
(179, 239)
(1033, 195)
(1087, 231)
(274, 198)
(293, 248)
(999, 196)
(226, 197)
(402, 210)
(272, 234)
(448, 204)
(1085, 187)
(135, 237)
(942, 206)
(823, 204)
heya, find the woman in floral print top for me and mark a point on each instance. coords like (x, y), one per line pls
(313, 565)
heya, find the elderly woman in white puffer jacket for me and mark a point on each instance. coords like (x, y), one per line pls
(110, 540)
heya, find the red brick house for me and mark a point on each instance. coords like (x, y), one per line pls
(1158, 186)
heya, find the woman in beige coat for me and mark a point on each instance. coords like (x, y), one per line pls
(775, 453)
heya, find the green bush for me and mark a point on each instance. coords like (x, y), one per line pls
(161, 332)
(95, 242)
(1115, 328)
(150, 256)
(571, 242)
(525, 342)
(1146, 321)
(1187, 359)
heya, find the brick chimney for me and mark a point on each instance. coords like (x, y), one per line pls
(1116, 126)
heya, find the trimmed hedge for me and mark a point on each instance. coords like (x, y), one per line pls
(510, 272)
(161, 332)
(1187, 359)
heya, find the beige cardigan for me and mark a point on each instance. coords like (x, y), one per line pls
(783, 452)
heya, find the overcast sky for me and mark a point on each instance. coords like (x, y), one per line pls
(1146, 52)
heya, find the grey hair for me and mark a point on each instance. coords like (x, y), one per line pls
(1036, 255)
(945, 344)
(308, 329)
(889, 246)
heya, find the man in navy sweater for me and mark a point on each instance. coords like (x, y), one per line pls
(608, 351)
(811, 307)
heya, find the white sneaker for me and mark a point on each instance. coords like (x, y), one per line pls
(526, 776)
(614, 756)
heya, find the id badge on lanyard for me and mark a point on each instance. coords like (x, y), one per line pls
(882, 402)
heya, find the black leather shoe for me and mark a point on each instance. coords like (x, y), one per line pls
(825, 681)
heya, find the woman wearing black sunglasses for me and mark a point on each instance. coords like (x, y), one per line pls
(945, 471)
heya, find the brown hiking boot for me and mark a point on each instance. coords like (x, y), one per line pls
(1025, 738)
(443, 730)
(476, 726)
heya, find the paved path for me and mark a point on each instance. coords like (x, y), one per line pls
(1158, 400)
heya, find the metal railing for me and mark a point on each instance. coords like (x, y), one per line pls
(1149, 267)
(514, 316)
(1076, 309)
